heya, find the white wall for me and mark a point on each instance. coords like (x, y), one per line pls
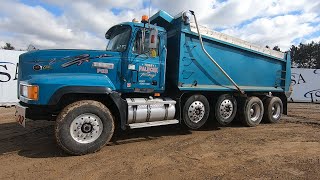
(306, 85)
(8, 76)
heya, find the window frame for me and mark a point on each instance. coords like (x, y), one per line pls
(136, 53)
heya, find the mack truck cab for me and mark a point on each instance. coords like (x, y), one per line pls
(152, 73)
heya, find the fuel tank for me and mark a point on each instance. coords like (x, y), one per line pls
(147, 109)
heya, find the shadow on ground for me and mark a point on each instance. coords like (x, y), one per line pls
(37, 139)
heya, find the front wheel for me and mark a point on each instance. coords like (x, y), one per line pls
(84, 127)
(196, 111)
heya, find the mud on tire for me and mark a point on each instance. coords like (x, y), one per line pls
(84, 127)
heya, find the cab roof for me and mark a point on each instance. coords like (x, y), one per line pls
(162, 18)
(159, 28)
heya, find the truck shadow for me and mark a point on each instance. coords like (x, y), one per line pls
(37, 139)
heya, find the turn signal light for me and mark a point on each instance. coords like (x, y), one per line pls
(29, 91)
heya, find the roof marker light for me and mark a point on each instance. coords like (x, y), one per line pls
(144, 19)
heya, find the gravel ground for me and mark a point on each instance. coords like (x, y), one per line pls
(288, 150)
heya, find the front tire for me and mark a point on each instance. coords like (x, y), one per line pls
(84, 127)
(196, 111)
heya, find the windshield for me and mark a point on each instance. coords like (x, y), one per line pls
(118, 37)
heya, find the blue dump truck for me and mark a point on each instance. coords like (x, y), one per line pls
(160, 71)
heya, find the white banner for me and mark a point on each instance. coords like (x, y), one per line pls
(306, 85)
(8, 76)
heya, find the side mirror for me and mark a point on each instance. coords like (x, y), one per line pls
(153, 39)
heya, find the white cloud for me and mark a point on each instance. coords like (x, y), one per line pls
(2, 43)
(280, 30)
(82, 23)
(201, 8)
(101, 4)
(234, 12)
(26, 19)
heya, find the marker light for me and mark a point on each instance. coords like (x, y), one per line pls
(29, 91)
(186, 16)
(152, 40)
(144, 19)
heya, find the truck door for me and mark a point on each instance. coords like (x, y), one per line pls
(144, 66)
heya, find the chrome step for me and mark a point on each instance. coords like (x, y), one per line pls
(155, 123)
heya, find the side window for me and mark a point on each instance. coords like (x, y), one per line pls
(138, 48)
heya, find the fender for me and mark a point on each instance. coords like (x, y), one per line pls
(55, 98)
(122, 106)
(115, 96)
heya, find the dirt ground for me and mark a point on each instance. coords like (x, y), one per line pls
(290, 149)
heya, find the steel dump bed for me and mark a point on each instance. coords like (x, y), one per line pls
(252, 67)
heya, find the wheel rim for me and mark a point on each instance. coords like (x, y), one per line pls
(86, 128)
(255, 112)
(196, 111)
(226, 109)
(276, 110)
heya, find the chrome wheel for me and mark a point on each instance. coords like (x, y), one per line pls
(86, 128)
(196, 111)
(255, 112)
(276, 110)
(226, 109)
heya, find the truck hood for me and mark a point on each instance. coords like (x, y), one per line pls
(66, 61)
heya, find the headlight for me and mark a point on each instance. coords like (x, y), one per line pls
(29, 91)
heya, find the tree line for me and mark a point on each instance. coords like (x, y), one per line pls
(302, 55)
(306, 55)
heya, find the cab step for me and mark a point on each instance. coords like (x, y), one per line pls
(155, 123)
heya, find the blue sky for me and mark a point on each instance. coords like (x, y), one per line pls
(54, 9)
(82, 24)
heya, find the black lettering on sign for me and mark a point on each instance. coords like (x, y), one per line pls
(316, 71)
(297, 79)
(314, 95)
(4, 74)
(16, 74)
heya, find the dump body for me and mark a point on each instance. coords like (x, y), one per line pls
(252, 67)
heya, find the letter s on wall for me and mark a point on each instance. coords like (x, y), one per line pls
(5, 74)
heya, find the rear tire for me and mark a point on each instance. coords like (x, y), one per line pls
(252, 111)
(196, 111)
(225, 109)
(273, 109)
(84, 127)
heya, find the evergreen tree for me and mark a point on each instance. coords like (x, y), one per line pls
(8, 46)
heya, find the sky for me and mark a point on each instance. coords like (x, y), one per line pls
(82, 24)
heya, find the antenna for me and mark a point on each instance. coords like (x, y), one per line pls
(149, 12)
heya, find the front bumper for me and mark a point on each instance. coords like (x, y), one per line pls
(38, 112)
